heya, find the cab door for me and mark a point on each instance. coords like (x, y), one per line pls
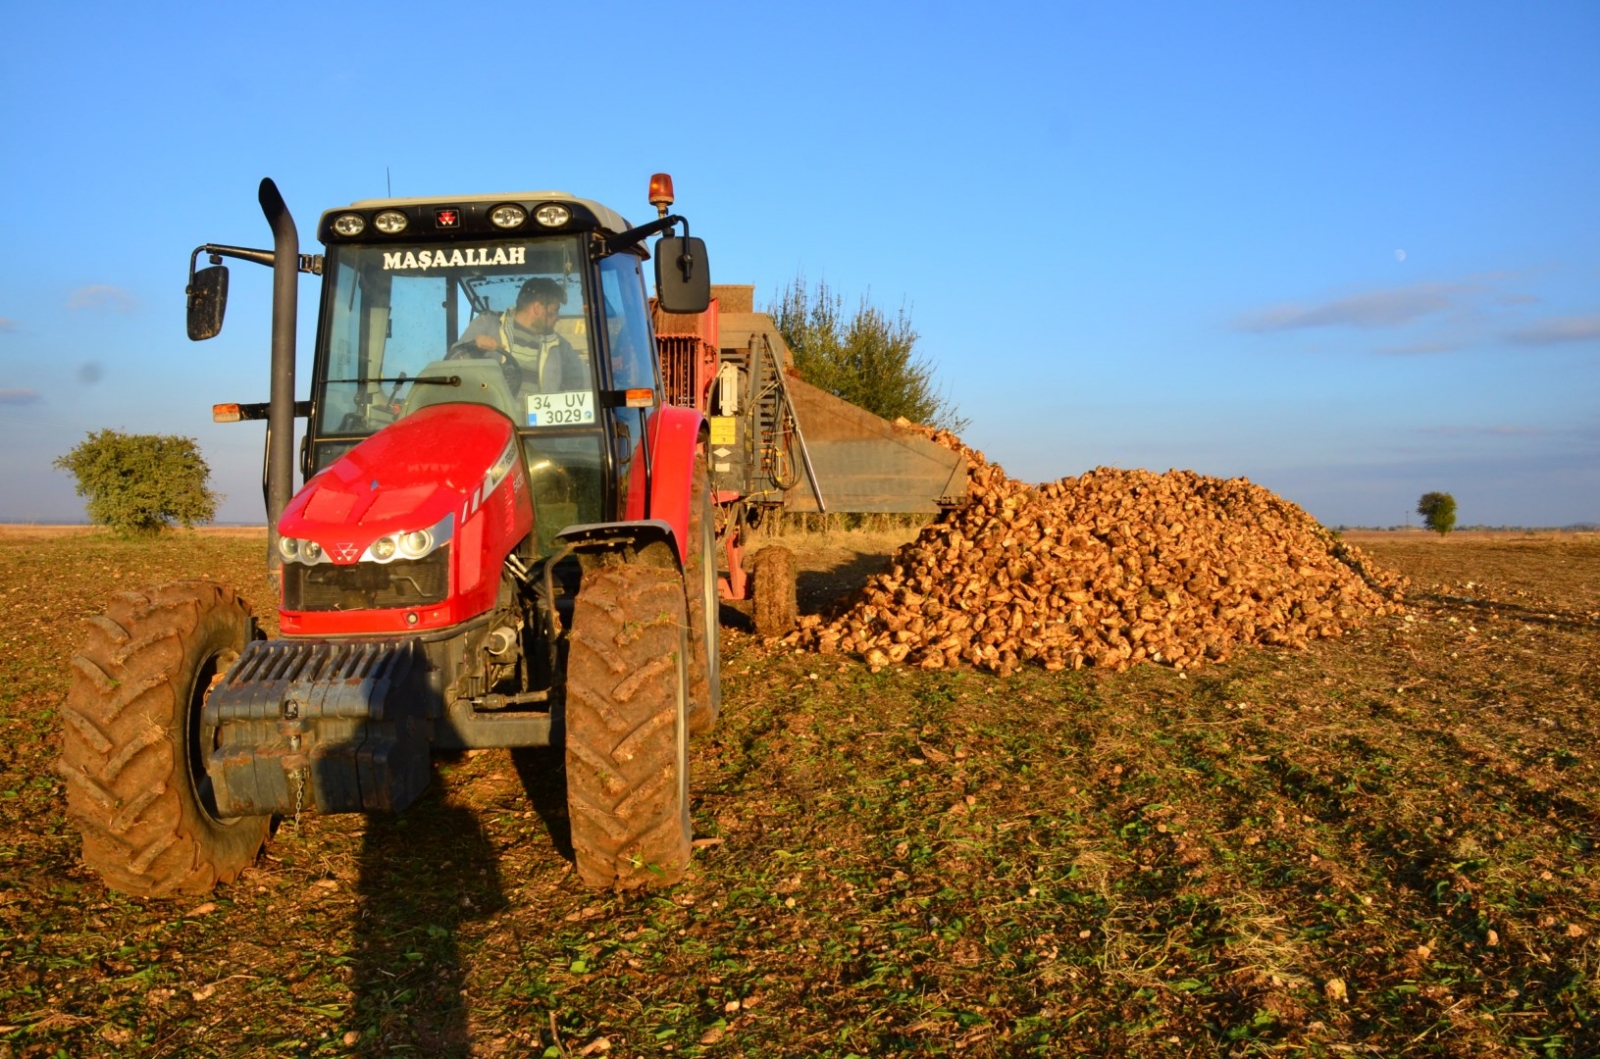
(631, 359)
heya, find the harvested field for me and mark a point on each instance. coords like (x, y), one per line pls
(1382, 844)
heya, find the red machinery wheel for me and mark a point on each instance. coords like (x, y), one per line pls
(133, 745)
(627, 732)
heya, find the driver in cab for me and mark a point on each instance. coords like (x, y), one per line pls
(523, 338)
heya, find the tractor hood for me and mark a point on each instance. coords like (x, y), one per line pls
(435, 466)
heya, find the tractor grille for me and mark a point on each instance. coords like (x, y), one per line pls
(367, 586)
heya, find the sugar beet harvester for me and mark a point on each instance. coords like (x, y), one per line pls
(504, 539)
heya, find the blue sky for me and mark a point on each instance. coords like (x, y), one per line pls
(1349, 251)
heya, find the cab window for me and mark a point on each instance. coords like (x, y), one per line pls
(633, 363)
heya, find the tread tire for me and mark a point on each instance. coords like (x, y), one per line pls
(705, 625)
(776, 610)
(627, 733)
(131, 741)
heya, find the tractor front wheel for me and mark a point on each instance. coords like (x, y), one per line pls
(627, 726)
(134, 747)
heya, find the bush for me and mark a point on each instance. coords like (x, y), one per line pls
(869, 361)
(1438, 511)
(139, 484)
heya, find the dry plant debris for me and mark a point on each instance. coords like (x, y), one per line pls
(1109, 569)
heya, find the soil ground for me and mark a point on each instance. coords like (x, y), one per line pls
(1381, 845)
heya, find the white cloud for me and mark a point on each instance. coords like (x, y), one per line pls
(1446, 317)
(102, 296)
(15, 396)
(1380, 308)
(1558, 329)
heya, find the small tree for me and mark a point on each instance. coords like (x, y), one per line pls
(139, 484)
(869, 360)
(1438, 511)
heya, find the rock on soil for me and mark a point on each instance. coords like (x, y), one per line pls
(1109, 569)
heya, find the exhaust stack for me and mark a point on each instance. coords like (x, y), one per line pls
(280, 408)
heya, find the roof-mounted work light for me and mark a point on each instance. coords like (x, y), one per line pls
(552, 215)
(390, 222)
(509, 215)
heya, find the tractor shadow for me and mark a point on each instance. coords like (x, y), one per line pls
(423, 875)
(543, 773)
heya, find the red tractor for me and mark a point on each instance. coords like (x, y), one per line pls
(504, 539)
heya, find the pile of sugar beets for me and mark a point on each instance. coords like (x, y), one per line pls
(1109, 569)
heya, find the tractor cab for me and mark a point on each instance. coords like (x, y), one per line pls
(518, 304)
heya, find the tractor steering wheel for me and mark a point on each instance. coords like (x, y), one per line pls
(508, 364)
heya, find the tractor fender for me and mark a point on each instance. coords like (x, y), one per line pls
(673, 434)
(636, 535)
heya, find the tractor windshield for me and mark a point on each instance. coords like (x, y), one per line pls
(409, 325)
(501, 323)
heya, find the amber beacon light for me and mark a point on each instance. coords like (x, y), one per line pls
(661, 192)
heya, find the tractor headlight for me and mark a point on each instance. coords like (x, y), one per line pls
(416, 544)
(300, 550)
(348, 224)
(390, 222)
(413, 544)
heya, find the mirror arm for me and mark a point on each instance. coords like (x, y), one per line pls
(243, 253)
(311, 263)
(633, 236)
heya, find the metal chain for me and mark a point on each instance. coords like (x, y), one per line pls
(298, 779)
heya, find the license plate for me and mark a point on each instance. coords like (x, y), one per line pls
(561, 409)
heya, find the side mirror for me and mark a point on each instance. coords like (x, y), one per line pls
(683, 276)
(208, 300)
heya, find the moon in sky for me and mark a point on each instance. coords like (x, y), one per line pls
(1399, 255)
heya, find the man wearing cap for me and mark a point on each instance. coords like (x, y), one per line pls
(525, 336)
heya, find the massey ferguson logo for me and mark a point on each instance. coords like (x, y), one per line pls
(344, 553)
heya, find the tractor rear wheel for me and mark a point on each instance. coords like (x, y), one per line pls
(133, 748)
(705, 626)
(627, 730)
